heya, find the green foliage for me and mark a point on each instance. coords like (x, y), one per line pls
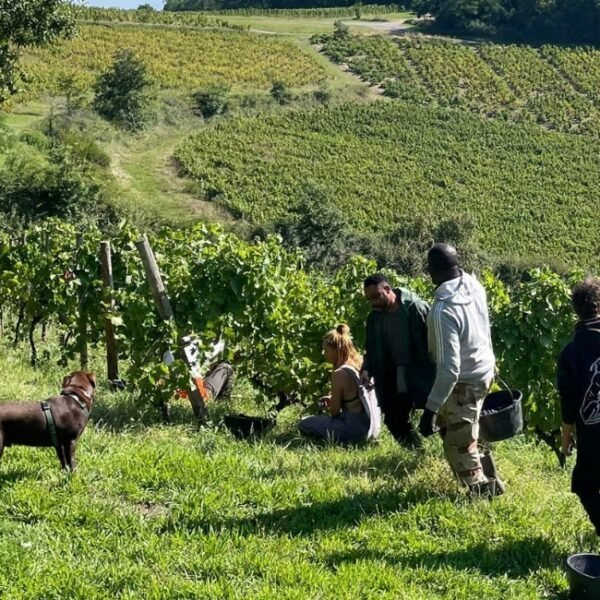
(280, 92)
(212, 102)
(340, 30)
(531, 327)
(323, 95)
(27, 23)
(35, 184)
(61, 174)
(559, 20)
(121, 93)
(271, 312)
(554, 87)
(520, 190)
(320, 228)
(185, 59)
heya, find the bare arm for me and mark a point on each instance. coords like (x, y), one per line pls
(337, 394)
(567, 439)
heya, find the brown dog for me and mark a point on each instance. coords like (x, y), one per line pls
(58, 422)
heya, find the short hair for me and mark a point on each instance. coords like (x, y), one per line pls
(376, 279)
(586, 298)
(442, 257)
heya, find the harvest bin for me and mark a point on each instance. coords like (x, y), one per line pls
(583, 573)
(244, 426)
(501, 416)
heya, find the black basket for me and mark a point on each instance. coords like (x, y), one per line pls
(501, 416)
(244, 426)
(583, 573)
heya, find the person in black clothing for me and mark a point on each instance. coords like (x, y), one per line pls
(578, 378)
(396, 357)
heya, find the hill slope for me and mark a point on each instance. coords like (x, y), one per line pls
(530, 192)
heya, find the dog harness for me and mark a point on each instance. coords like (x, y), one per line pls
(50, 417)
(50, 423)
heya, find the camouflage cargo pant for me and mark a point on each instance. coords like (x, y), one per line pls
(458, 420)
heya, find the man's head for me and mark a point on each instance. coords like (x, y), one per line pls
(379, 293)
(443, 263)
(586, 298)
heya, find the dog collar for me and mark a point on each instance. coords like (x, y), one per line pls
(78, 400)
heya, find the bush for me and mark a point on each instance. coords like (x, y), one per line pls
(323, 95)
(340, 29)
(212, 101)
(281, 93)
(320, 228)
(85, 148)
(121, 92)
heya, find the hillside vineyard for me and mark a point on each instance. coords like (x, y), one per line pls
(551, 86)
(182, 59)
(531, 193)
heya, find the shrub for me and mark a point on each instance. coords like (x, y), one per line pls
(121, 92)
(340, 29)
(281, 93)
(85, 148)
(212, 101)
(323, 95)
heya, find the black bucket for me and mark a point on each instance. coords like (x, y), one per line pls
(244, 426)
(583, 573)
(501, 416)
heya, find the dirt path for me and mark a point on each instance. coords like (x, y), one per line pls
(147, 173)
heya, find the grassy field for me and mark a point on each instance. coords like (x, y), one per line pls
(160, 511)
(306, 26)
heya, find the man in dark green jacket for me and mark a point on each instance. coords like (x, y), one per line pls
(397, 358)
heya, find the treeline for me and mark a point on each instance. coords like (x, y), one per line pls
(556, 20)
(241, 5)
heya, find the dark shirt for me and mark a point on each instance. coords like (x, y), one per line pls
(399, 339)
(578, 378)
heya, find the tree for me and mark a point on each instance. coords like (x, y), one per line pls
(28, 23)
(121, 92)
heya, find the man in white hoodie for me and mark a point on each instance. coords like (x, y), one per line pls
(459, 341)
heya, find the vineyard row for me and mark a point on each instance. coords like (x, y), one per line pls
(256, 297)
(551, 86)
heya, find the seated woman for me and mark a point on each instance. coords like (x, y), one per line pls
(347, 420)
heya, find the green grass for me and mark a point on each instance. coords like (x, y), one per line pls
(308, 26)
(160, 511)
(24, 118)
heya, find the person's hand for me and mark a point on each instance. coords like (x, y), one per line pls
(324, 402)
(365, 378)
(567, 446)
(427, 423)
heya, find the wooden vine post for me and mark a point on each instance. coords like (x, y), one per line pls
(112, 362)
(163, 305)
(82, 324)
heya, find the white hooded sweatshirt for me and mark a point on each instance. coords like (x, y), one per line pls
(459, 339)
